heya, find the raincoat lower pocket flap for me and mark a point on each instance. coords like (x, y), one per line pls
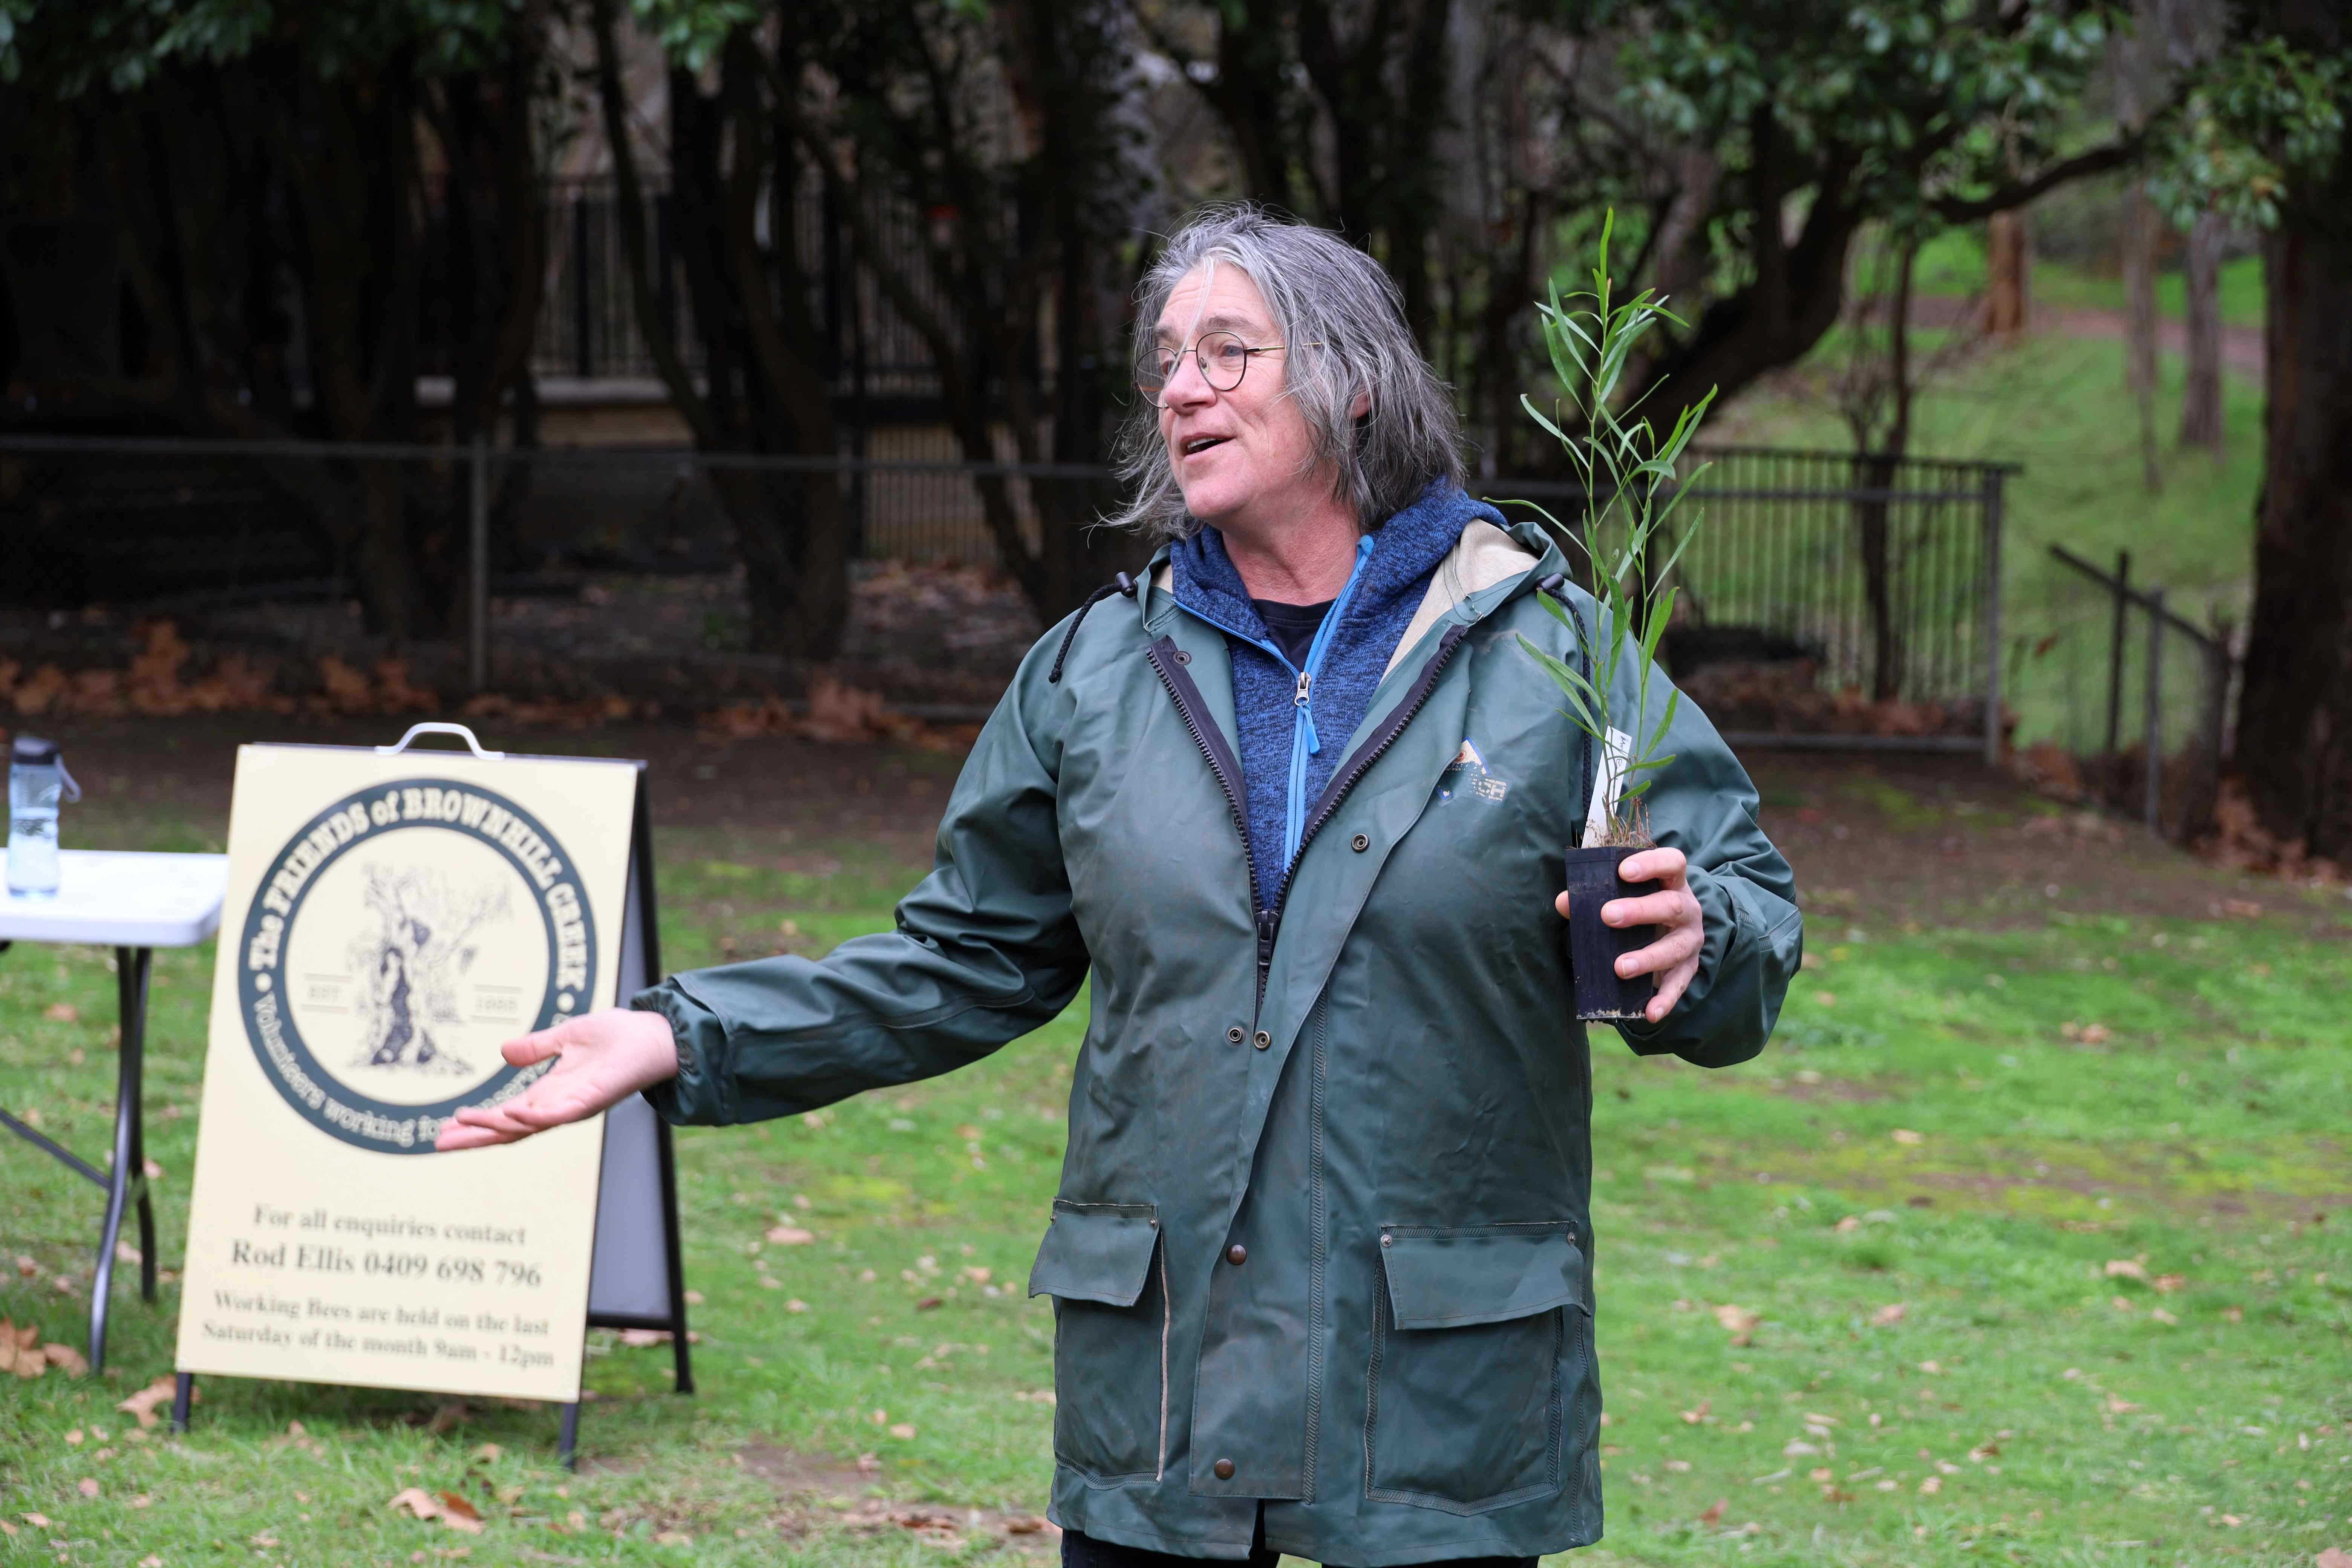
(1440, 1278)
(1096, 1252)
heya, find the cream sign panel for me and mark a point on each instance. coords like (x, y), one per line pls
(391, 921)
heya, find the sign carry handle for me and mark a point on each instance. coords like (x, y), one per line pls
(440, 727)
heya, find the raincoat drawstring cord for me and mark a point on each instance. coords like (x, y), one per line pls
(1124, 585)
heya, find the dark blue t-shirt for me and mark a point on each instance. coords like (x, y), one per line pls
(1292, 627)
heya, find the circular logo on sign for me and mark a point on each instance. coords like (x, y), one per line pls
(396, 941)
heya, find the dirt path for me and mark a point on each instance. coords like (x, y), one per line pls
(2242, 347)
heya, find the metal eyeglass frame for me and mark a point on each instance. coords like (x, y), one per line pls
(1152, 394)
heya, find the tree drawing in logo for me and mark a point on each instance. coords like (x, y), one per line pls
(410, 962)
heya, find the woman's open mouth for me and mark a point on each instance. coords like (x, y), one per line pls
(1200, 444)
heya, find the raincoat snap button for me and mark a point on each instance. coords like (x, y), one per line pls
(1387, 1241)
(1260, 1039)
(1233, 1036)
(1359, 843)
(1223, 1470)
(1183, 658)
(1237, 1254)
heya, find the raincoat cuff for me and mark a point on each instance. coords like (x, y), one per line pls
(1719, 927)
(697, 1095)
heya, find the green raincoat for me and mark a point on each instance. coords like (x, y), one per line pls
(1323, 1237)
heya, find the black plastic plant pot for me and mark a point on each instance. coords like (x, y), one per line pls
(1594, 948)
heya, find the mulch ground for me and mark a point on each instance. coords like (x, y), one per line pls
(1883, 842)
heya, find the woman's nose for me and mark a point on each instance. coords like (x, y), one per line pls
(1187, 387)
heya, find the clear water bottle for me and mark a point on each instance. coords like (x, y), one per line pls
(38, 781)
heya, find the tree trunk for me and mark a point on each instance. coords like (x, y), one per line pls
(1878, 473)
(2009, 255)
(762, 388)
(2201, 398)
(2139, 237)
(2295, 709)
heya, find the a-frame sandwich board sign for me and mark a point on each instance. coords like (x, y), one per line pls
(391, 917)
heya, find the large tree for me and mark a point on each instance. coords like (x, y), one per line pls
(1917, 113)
(250, 176)
(2290, 88)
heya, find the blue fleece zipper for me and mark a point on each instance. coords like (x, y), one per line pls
(1305, 742)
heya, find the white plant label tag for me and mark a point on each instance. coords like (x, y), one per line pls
(1608, 782)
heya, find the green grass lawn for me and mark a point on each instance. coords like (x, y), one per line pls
(2011, 1247)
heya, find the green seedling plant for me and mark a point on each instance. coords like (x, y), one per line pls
(1631, 489)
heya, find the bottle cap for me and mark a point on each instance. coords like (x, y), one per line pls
(32, 751)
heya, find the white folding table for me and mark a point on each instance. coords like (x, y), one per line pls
(134, 903)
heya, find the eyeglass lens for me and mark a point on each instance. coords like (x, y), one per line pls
(1223, 359)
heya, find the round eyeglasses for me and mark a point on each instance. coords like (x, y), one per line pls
(1223, 357)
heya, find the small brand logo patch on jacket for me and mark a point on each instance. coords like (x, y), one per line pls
(1467, 770)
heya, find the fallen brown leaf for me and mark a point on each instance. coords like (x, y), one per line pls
(789, 1235)
(1692, 1418)
(1714, 1515)
(1906, 1136)
(37, 1521)
(928, 1302)
(62, 1012)
(142, 1404)
(2126, 1269)
(66, 1358)
(459, 1515)
(1887, 1316)
(86, 1486)
(416, 1500)
(904, 1431)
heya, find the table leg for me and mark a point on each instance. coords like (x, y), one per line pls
(131, 967)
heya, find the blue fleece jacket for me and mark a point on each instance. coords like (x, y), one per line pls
(1287, 754)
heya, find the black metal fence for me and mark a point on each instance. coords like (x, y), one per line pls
(2125, 700)
(1826, 602)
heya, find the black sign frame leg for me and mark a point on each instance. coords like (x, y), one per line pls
(672, 1318)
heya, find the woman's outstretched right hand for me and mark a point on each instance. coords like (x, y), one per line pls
(603, 1058)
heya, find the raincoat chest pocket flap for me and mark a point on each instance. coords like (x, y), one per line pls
(1440, 1278)
(1096, 1252)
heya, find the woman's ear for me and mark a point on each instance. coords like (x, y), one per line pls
(1363, 407)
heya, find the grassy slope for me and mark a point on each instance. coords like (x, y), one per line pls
(2060, 1418)
(2056, 406)
(1953, 264)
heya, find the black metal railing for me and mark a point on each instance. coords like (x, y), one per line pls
(1790, 631)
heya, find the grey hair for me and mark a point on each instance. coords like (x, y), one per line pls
(1343, 318)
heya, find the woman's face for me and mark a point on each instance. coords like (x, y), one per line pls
(1237, 452)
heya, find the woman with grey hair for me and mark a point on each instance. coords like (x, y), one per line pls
(1320, 1262)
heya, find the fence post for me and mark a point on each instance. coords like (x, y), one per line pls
(478, 528)
(2116, 661)
(1993, 477)
(583, 358)
(2155, 771)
